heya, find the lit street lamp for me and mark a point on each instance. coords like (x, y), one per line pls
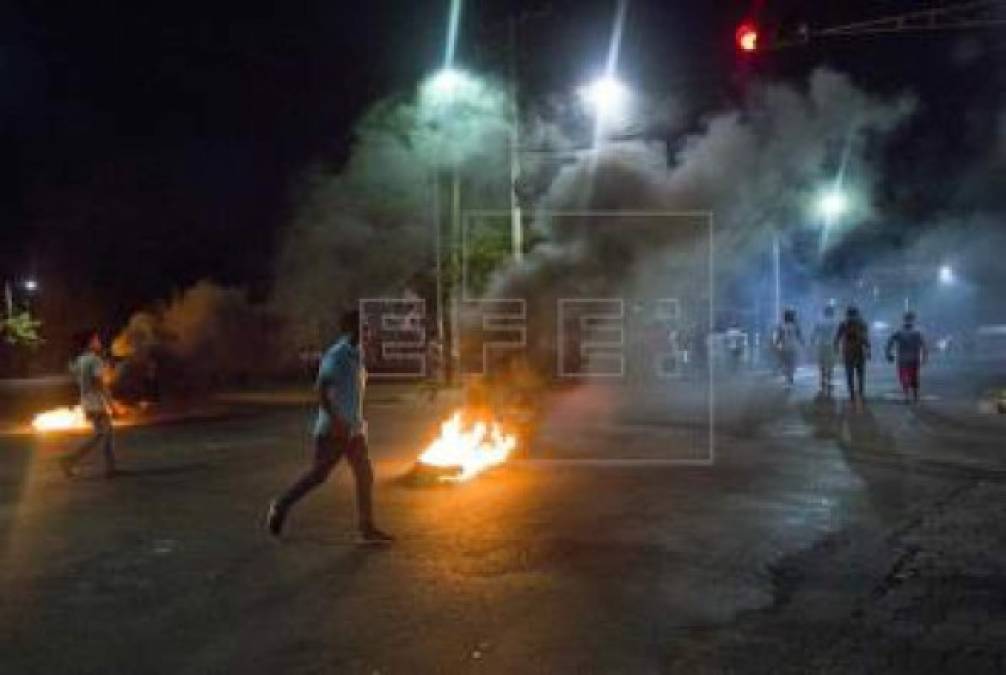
(606, 96)
(947, 276)
(832, 205)
(447, 83)
(29, 286)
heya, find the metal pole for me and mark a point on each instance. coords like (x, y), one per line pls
(777, 277)
(438, 257)
(9, 297)
(516, 226)
(455, 352)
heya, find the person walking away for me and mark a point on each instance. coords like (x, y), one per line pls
(735, 340)
(822, 340)
(787, 341)
(339, 430)
(91, 372)
(852, 340)
(912, 354)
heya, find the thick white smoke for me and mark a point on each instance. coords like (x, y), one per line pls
(755, 169)
(367, 230)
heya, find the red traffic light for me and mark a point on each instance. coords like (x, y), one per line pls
(747, 37)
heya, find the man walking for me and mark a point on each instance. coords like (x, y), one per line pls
(339, 430)
(90, 372)
(911, 355)
(822, 340)
(852, 339)
(788, 339)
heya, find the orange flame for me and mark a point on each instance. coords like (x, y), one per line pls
(471, 449)
(61, 419)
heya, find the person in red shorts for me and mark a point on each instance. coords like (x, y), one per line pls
(911, 356)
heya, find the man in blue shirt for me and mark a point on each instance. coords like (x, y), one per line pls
(339, 430)
(911, 348)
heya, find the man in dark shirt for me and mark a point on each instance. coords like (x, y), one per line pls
(911, 355)
(853, 341)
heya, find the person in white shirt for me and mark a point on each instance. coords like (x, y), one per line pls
(788, 340)
(823, 342)
(90, 371)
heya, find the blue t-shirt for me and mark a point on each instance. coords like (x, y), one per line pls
(909, 344)
(89, 370)
(341, 380)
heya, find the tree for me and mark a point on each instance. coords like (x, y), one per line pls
(20, 329)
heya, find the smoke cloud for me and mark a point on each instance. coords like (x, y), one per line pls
(755, 169)
(368, 229)
(206, 336)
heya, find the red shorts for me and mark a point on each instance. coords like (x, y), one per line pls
(908, 374)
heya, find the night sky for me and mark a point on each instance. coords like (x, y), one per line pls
(152, 144)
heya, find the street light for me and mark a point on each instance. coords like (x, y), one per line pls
(447, 85)
(606, 96)
(947, 276)
(832, 204)
(30, 285)
(446, 82)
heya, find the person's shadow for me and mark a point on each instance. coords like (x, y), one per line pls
(822, 415)
(163, 470)
(140, 472)
(871, 451)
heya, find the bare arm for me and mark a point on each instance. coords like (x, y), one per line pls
(321, 390)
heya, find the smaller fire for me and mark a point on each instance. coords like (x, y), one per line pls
(61, 419)
(468, 450)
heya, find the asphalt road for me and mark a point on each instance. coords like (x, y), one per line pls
(820, 539)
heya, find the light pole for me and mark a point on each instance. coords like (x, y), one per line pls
(442, 90)
(776, 277)
(516, 220)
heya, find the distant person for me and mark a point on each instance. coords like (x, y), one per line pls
(823, 342)
(339, 430)
(852, 339)
(90, 371)
(912, 354)
(735, 340)
(788, 340)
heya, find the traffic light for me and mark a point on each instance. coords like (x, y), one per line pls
(747, 37)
